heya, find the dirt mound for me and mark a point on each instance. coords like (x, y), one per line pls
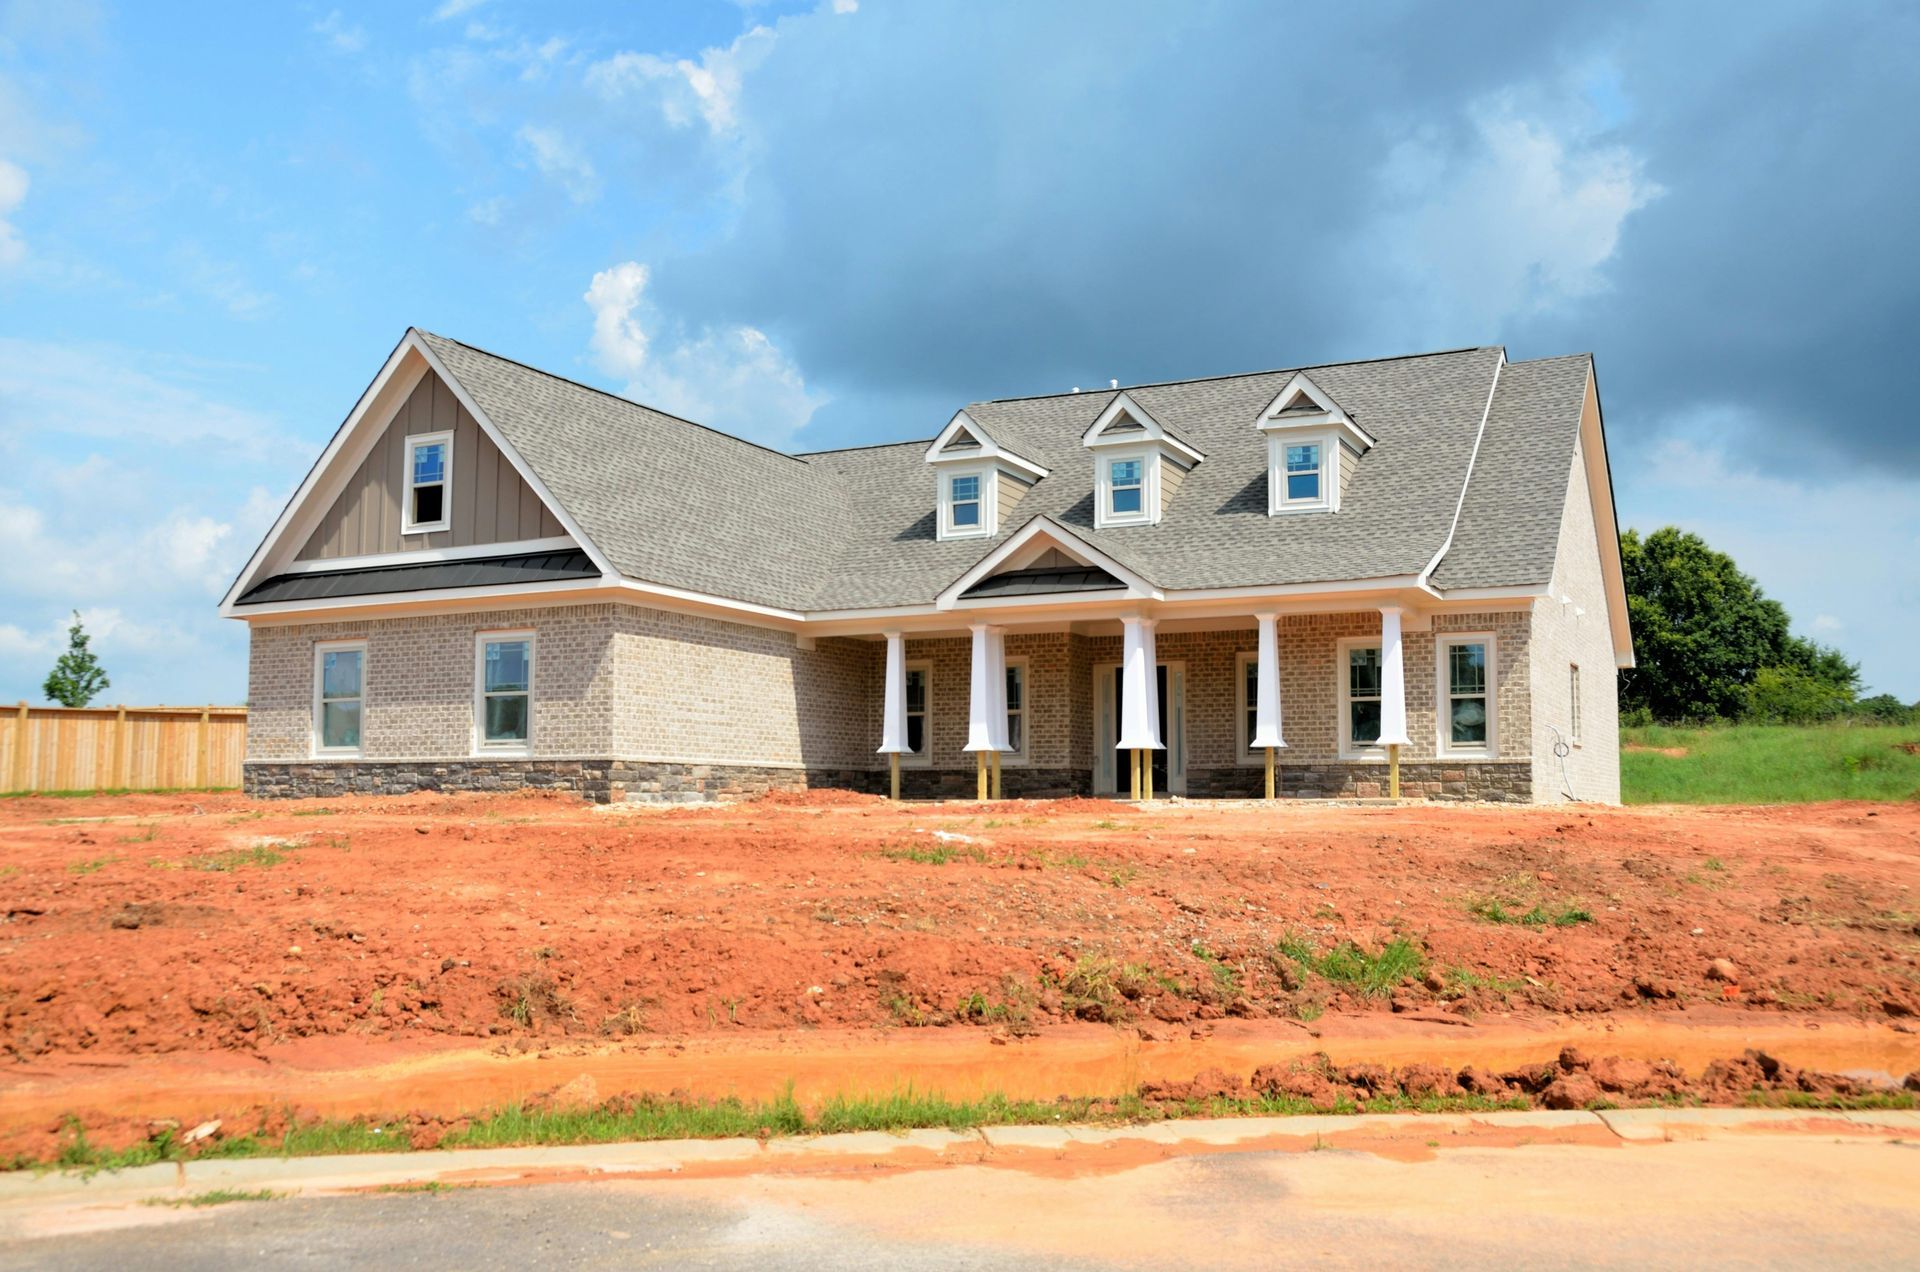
(824, 798)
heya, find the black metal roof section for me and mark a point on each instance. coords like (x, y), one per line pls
(428, 576)
(1080, 578)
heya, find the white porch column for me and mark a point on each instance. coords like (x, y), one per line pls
(997, 675)
(1139, 704)
(980, 700)
(893, 717)
(1393, 696)
(1266, 723)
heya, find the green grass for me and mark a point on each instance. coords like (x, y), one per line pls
(1769, 764)
(259, 855)
(88, 867)
(1373, 975)
(1494, 910)
(215, 1197)
(937, 854)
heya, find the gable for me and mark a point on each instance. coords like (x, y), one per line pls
(488, 501)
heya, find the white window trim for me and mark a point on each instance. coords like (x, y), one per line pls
(1241, 661)
(909, 759)
(989, 501)
(1328, 500)
(1348, 751)
(1103, 514)
(320, 650)
(1019, 758)
(1574, 705)
(1442, 705)
(480, 642)
(407, 524)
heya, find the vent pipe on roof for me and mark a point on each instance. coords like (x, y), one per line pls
(1113, 384)
(1076, 388)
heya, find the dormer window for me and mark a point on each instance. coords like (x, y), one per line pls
(978, 480)
(1313, 446)
(1138, 464)
(429, 470)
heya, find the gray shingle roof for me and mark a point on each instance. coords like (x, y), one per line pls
(677, 504)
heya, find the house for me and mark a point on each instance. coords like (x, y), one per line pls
(1343, 580)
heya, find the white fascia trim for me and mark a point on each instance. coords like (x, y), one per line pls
(1068, 542)
(989, 449)
(703, 598)
(301, 496)
(1331, 415)
(1466, 482)
(1152, 430)
(1593, 453)
(451, 595)
(520, 466)
(424, 556)
(1515, 592)
(1394, 582)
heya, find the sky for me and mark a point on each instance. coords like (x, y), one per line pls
(831, 223)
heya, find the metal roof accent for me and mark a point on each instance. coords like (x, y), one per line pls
(1080, 578)
(428, 576)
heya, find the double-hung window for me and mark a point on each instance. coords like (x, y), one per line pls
(503, 692)
(1249, 696)
(966, 502)
(1126, 487)
(1017, 710)
(1466, 695)
(1303, 472)
(918, 697)
(339, 696)
(429, 471)
(1360, 698)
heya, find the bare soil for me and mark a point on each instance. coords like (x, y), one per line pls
(142, 929)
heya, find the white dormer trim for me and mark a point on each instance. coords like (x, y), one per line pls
(1150, 430)
(1029, 543)
(1327, 413)
(988, 449)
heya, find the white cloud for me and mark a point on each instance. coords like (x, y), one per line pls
(342, 37)
(729, 377)
(846, 6)
(559, 159)
(1523, 218)
(1827, 625)
(488, 212)
(221, 281)
(13, 192)
(49, 389)
(709, 88)
(454, 8)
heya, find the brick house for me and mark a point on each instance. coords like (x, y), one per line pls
(1332, 581)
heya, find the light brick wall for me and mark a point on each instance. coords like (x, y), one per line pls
(1563, 637)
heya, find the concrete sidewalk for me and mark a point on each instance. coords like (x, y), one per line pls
(25, 1192)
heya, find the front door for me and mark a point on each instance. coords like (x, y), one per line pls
(1169, 763)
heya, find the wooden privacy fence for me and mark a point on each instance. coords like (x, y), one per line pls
(121, 748)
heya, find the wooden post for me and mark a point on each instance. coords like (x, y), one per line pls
(980, 775)
(1393, 771)
(20, 771)
(1133, 773)
(1146, 773)
(1269, 772)
(996, 775)
(116, 779)
(893, 772)
(206, 747)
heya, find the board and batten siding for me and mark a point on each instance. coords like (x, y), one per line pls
(489, 503)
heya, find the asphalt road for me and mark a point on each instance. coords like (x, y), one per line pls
(1747, 1201)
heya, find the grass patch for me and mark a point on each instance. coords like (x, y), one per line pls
(1226, 977)
(1769, 764)
(214, 1197)
(1494, 910)
(258, 856)
(1371, 974)
(931, 854)
(88, 867)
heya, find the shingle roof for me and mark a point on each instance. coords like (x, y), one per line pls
(680, 505)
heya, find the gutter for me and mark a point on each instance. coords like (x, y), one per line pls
(1426, 575)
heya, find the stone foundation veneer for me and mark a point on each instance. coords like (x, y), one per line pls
(603, 781)
(1499, 781)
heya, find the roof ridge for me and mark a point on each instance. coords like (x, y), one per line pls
(843, 450)
(605, 393)
(1242, 375)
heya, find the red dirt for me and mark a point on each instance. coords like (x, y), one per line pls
(532, 918)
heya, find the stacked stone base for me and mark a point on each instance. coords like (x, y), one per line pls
(605, 781)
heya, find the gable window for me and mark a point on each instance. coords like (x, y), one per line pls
(503, 692)
(1359, 697)
(919, 676)
(429, 468)
(966, 501)
(1573, 700)
(1124, 493)
(1016, 710)
(1303, 472)
(1466, 695)
(339, 696)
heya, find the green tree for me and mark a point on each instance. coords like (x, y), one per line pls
(77, 678)
(1884, 708)
(1703, 631)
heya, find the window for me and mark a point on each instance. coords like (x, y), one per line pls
(503, 691)
(429, 467)
(1466, 692)
(1124, 487)
(339, 696)
(1573, 700)
(1360, 697)
(1303, 472)
(918, 696)
(1017, 709)
(1247, 705)
(966, 502)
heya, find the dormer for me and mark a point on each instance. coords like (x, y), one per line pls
(1138, 465)
(1313, 446)
(978, 481)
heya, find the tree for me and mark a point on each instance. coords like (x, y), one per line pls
(1884, 708)
(77, 678)
(1703, 631)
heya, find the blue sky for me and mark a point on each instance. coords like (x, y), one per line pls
(831, 223)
